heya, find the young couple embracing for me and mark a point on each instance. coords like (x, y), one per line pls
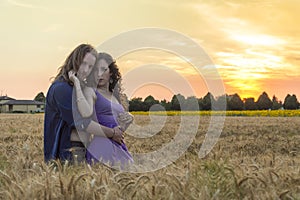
(84, 118)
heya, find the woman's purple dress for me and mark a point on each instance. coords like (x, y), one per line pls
(103, 149)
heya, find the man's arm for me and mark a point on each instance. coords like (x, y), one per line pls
(115, 133)
(62, 95)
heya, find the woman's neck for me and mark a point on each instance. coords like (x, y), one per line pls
(104, 89)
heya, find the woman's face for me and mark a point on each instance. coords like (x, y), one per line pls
(86, 66)
(103, 73)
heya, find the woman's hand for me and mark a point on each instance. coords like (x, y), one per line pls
(118, 135)
(124, 120)
(73, 77)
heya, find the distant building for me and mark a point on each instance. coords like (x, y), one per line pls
(10, 105)
(5, 98)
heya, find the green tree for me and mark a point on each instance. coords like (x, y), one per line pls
(208, 101)
(40, 97)
(191, 103)
(166, 104)
(222, 102)
(177, 102)
(200, 103)
(235, 102)
(250, 104)
(276, 104)
(291, 102)
(136, 104)
(264, 102)
(149, 101)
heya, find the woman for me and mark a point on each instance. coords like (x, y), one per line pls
(109, 112)
(60, 135)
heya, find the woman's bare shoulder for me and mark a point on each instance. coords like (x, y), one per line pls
(88, 91)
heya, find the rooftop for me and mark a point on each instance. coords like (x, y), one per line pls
(22, 102)
(6, 98)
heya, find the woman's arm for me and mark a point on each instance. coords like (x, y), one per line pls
(84, 99)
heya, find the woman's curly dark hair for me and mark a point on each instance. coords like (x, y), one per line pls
(113, 68)
(115, 85)
(115, 78)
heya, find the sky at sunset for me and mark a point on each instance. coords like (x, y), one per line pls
(254, 44)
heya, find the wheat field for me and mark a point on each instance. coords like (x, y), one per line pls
(255, 158)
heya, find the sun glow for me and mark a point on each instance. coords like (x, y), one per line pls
(259, 39)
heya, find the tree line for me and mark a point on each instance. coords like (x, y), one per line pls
(209, 102)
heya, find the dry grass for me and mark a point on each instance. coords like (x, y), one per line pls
(255, 158)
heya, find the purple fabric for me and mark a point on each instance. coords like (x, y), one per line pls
(101, 148)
